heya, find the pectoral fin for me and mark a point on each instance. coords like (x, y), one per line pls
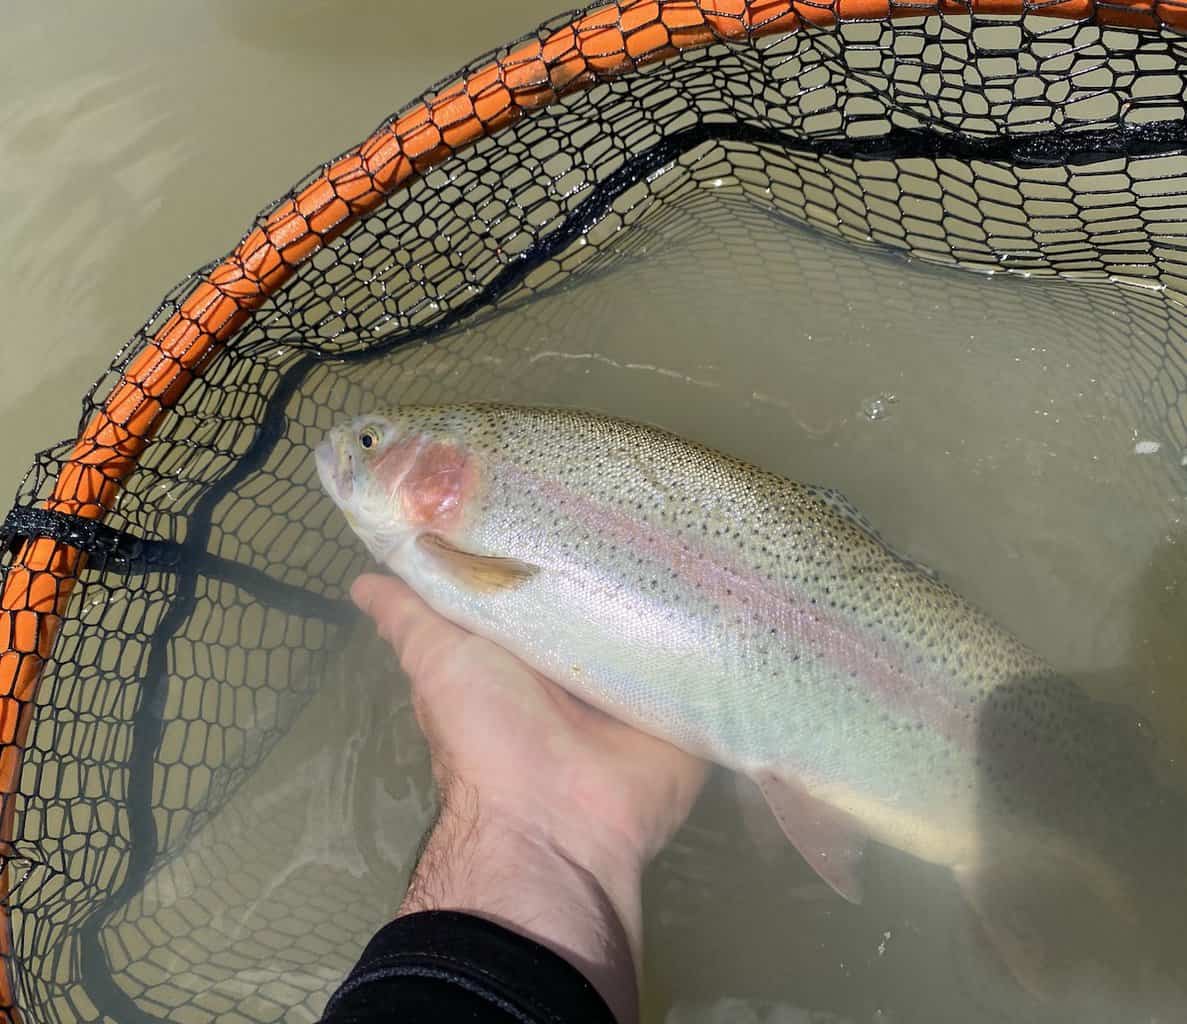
(829, 840)
(485, 574)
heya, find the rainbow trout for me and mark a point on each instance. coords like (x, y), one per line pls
(755, 622)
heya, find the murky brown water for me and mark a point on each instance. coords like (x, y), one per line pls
(138, 144)
(983, 424)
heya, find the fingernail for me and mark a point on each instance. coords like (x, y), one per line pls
(360, 597)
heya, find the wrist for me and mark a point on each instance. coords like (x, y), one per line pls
(581, 900)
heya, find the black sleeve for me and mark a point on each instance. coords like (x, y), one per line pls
(442, 966)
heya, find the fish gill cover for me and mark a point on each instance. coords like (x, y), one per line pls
(173, 583)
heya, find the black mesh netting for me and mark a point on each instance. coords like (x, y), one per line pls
(186, 840)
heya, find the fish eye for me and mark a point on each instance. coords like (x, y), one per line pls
(369, 438)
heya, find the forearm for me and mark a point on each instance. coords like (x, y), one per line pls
(583, 904)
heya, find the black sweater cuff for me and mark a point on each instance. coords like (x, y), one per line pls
(453, 966)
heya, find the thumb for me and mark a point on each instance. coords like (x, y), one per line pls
(409, 625)
(373, 592)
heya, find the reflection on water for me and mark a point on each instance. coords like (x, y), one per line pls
(991, 428)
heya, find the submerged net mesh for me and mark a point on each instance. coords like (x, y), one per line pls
(171, 608)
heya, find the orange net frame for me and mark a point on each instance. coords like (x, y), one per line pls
(606, 43)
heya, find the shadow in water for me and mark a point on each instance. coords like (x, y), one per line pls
(1080, 886)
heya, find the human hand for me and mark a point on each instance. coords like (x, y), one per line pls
(550, 809)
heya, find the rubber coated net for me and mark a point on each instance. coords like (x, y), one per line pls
(173, 610)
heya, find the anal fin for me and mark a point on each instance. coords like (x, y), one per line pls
(1051, 928)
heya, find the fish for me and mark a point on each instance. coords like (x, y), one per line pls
(763, 625)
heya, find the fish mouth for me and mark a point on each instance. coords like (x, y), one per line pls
(335, 468)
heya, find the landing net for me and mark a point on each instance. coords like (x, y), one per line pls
(173, 583)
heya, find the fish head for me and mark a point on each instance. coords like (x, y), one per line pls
(395, 476)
